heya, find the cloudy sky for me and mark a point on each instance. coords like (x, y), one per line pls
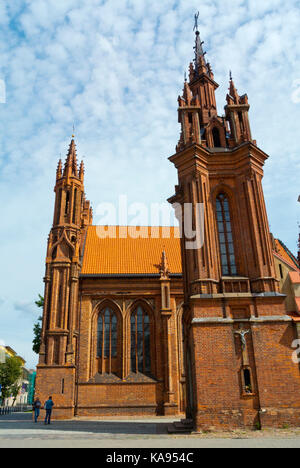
(114, 69)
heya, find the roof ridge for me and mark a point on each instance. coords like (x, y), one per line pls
(292, 257)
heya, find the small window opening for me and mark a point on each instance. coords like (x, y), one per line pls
(241, 121)
(216, 138)
(59, 206)
(67, 203)
(247, 381)
(167, 305)
(74, 206)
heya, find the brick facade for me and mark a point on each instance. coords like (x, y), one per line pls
(128, 332)
(237, 334)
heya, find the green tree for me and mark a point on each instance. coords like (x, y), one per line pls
(37, 328)
(14, 390)
(10, 372)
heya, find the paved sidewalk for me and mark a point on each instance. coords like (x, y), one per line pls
(18, 430)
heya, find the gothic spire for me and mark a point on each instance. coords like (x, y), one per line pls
(59, 170)
(71, 166)
(233, 91)
(200, 62)
(81, 171)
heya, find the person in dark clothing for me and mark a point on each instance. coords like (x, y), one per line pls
(36, 408)
(48, 407)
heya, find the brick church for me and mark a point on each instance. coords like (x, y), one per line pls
(147, 326)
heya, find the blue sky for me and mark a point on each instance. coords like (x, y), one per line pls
(115, 69)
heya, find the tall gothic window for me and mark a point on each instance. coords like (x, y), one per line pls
(107, 334)
(59, 206)
(74, 206)
(140, 341)
(67, 208)
(225, 236)
(216, 137)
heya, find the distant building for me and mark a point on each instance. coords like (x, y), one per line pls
(288, 274)
(25, 382)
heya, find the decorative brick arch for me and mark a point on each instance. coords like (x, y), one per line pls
(235, 224)
(134, 304)
(144, 304)
(215, 124)
(103, 366)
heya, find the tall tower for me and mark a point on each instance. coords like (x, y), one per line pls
(237, 332)
(72, 214)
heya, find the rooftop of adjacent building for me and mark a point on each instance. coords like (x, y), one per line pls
(282, 250)
(10, 352)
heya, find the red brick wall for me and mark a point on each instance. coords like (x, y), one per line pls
(120, 399)
(49, 382)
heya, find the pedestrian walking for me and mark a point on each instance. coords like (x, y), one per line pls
(48, 407)
(36, 408)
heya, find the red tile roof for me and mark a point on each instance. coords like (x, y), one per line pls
(130, 256)
(285, 253)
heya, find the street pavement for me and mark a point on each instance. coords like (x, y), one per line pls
(19, 431)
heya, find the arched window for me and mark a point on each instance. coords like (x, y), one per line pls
(74, 206)
(67, 208)
(225, 236)
(216, 137)
(107, 334)
(58, 206)
(140, 341)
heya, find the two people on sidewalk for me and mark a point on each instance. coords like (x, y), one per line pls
(48, 406)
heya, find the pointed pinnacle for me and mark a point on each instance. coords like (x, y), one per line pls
(71, 166)
(233, 91)
(187, 93)
(59, 170)
(81, 171)
(164, 267)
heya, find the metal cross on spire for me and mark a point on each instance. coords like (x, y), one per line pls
(196, 27)
(199, 52)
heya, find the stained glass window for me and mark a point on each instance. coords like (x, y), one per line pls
(107, 334)
(140, 341)
(225, 236)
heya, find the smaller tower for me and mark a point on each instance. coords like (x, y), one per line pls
(197, 113)
(237, 114)
(72, 214)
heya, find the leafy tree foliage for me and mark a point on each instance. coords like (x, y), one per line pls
(37, 329)
(10, 372)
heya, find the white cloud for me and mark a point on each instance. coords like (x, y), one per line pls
(115, 69)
